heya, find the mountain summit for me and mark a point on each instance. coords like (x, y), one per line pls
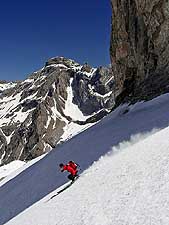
(59, 100)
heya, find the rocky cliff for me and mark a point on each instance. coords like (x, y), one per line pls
(50, 106)
(140, 48)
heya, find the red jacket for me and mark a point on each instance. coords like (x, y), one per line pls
(73, 165)
(69, 169)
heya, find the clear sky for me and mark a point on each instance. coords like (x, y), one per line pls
(33, 31)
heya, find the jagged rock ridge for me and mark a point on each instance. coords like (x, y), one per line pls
(62, 98)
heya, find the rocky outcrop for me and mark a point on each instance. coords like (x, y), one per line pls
(41, 111)
(140, 48)
(4, 85)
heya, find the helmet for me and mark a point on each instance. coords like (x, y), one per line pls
(61, 164)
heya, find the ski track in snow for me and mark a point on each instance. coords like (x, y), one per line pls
(128, 188)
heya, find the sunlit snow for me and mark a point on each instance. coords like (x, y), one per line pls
(9, 168)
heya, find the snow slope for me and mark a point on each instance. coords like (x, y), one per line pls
(130, 187)
(126, 188)
(72, 109)
(9, 168)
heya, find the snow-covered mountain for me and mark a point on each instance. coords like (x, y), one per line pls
(127, 183)
(50, 106)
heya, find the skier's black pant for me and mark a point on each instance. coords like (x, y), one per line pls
(71, 177)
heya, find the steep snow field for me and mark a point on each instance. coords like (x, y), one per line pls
(72, 109)
(131, 187)
(128, 185)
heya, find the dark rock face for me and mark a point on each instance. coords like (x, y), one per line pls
(35, 113)
(91, 93)
(140, 48)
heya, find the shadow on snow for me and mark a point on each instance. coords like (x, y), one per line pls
(43, 177)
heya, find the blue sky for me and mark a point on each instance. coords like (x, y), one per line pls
(34, 31)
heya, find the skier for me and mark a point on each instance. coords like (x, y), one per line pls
(71, 167)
